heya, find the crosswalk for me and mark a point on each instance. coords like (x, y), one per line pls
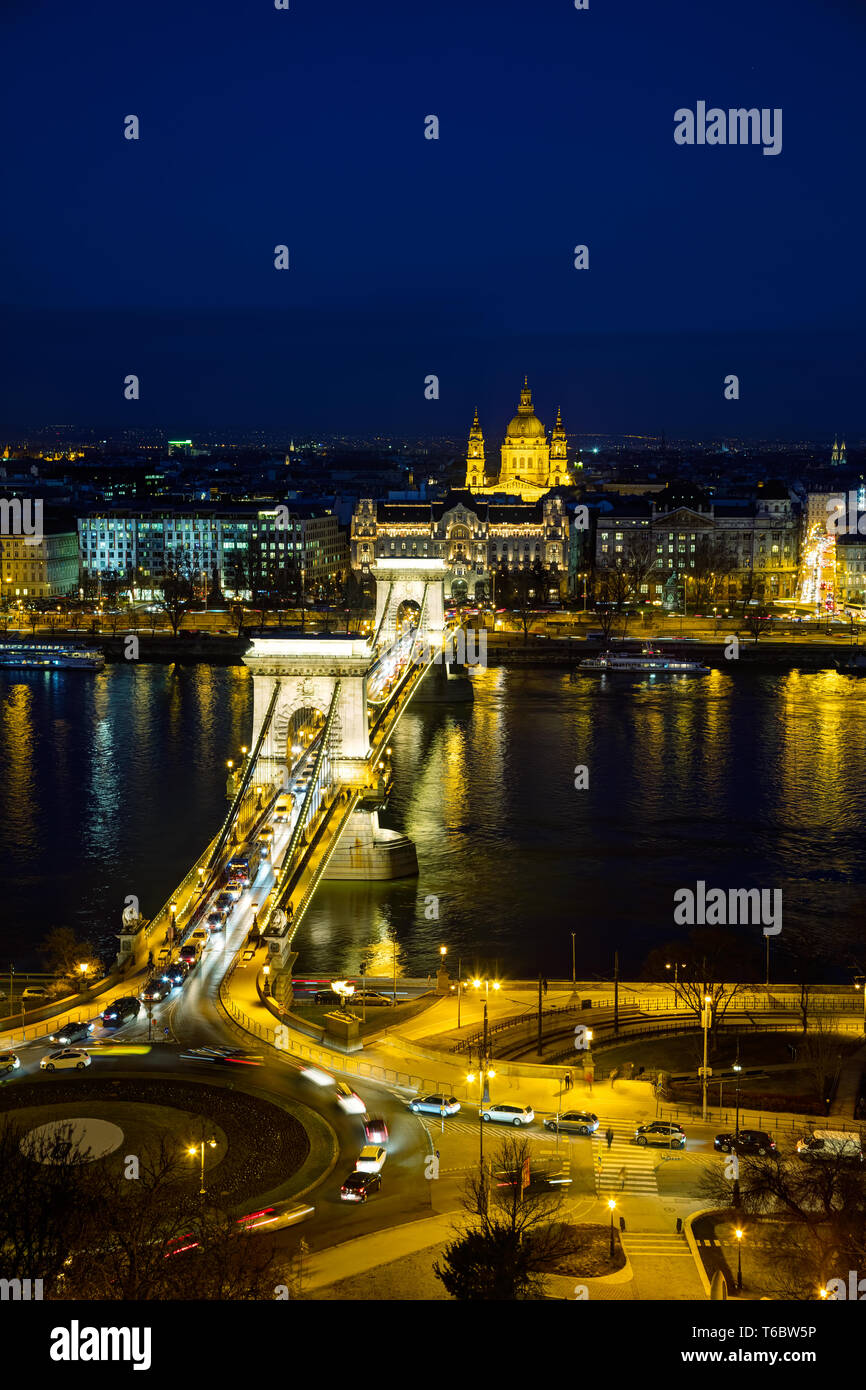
(625, 1166)
(657, 1245)
(456, 1124)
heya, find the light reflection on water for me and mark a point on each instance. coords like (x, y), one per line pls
(112, 784)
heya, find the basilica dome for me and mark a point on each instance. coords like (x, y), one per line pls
(526, 424)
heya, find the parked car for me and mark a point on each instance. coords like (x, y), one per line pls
(661, 1132)
(831, 1144)
(72, 1033)
(435, 1104)
(748, 1141)
(34, 992)
(120, 1011)
(509, 1114)
(358, 1186)
(371, 1159)
(66, 1057)
(573, 1122)
(9, 1061)
(348, 1100)
(375, 1129)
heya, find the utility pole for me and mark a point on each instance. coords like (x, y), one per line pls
(616, 991)
(540, 1041)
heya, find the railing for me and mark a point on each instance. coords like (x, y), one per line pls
(285, 875)
(245, 780)
(374, 644)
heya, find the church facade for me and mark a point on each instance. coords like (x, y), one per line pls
(529, 464)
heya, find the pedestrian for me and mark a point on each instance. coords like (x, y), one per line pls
(166, 1032)
(621, 1179)
(614, 1074)
(437, 1156)
(608, 1134)
(150, 957)
(544, 986)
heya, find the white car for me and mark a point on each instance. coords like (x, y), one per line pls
(349, 1100)
(66, 1057)
(200, 937)
(509, 1114)
(35, 992)
(371, 1159)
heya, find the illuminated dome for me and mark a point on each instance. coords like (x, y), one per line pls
(526, 424)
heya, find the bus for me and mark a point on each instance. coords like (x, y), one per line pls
(242, 868)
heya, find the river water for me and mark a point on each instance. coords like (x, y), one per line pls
(112, 784)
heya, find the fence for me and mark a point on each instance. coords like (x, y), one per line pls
(334, 1061)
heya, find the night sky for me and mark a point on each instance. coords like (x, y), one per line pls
(411, 256)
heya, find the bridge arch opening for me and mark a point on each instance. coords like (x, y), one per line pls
(408, 616)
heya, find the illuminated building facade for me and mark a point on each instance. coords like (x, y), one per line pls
(529, 465)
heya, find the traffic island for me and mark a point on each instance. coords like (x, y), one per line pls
(260, 1146)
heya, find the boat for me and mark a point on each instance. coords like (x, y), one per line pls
(855, 665)
(50, 656)
(647, 661)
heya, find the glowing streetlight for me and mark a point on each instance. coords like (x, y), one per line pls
(198, 1149)
(739, 1233)
(612, 1205)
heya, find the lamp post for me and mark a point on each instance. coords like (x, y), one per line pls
(198, 1149)
(485, 1075)
(705, 1020)
(859, 983)
(676, 968)
(172, 925)
(459, 986)
(573, 962)
(739, 1233)
(266, 971)
(612, 1205)
(84, 967)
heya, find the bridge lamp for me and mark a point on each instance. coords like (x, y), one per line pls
(230, 764)
(244, 750)
(266, 971)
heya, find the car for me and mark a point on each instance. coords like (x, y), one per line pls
(214, 921)
(573, 1122)
(434, 1105)
(71, 1033)
(358, 1186)
(372, 997)
(233, 889)
(274, 1218)
(224, 903)
(375, 1129)
(327, 996)
(155, 991)
(120, 1011)
(831, 1144)
(200, 937)
(190, 953)
(508, 1114)
(661, 1132)
(223, 1056)
(9, 1061)
(371, 1159)
(34, 992)
(748, 1141)
(66, 1057)
(349, 1101)
(544, 1175)
(177, 972)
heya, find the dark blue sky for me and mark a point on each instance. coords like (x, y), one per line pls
(411, 256)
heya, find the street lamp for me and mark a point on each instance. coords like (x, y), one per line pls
(195, 1149)
(739, 1233)
(676, 968)
(612, 1204)
(172, 907)
(705, 1020)
(266, 971)
(860, 983)
(84, 967)
(573, 962)
(484, 1076)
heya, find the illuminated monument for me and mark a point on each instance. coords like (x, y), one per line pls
(530, 464)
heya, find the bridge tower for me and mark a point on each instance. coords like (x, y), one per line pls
(418, 582)
(308, 670)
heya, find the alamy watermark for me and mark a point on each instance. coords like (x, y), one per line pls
(736, 126)
(24, 519)
(719, 907)
(462, 648)
(845, 520)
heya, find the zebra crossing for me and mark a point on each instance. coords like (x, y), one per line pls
(625, 1166)
(456, 1124)
(656, 1245)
